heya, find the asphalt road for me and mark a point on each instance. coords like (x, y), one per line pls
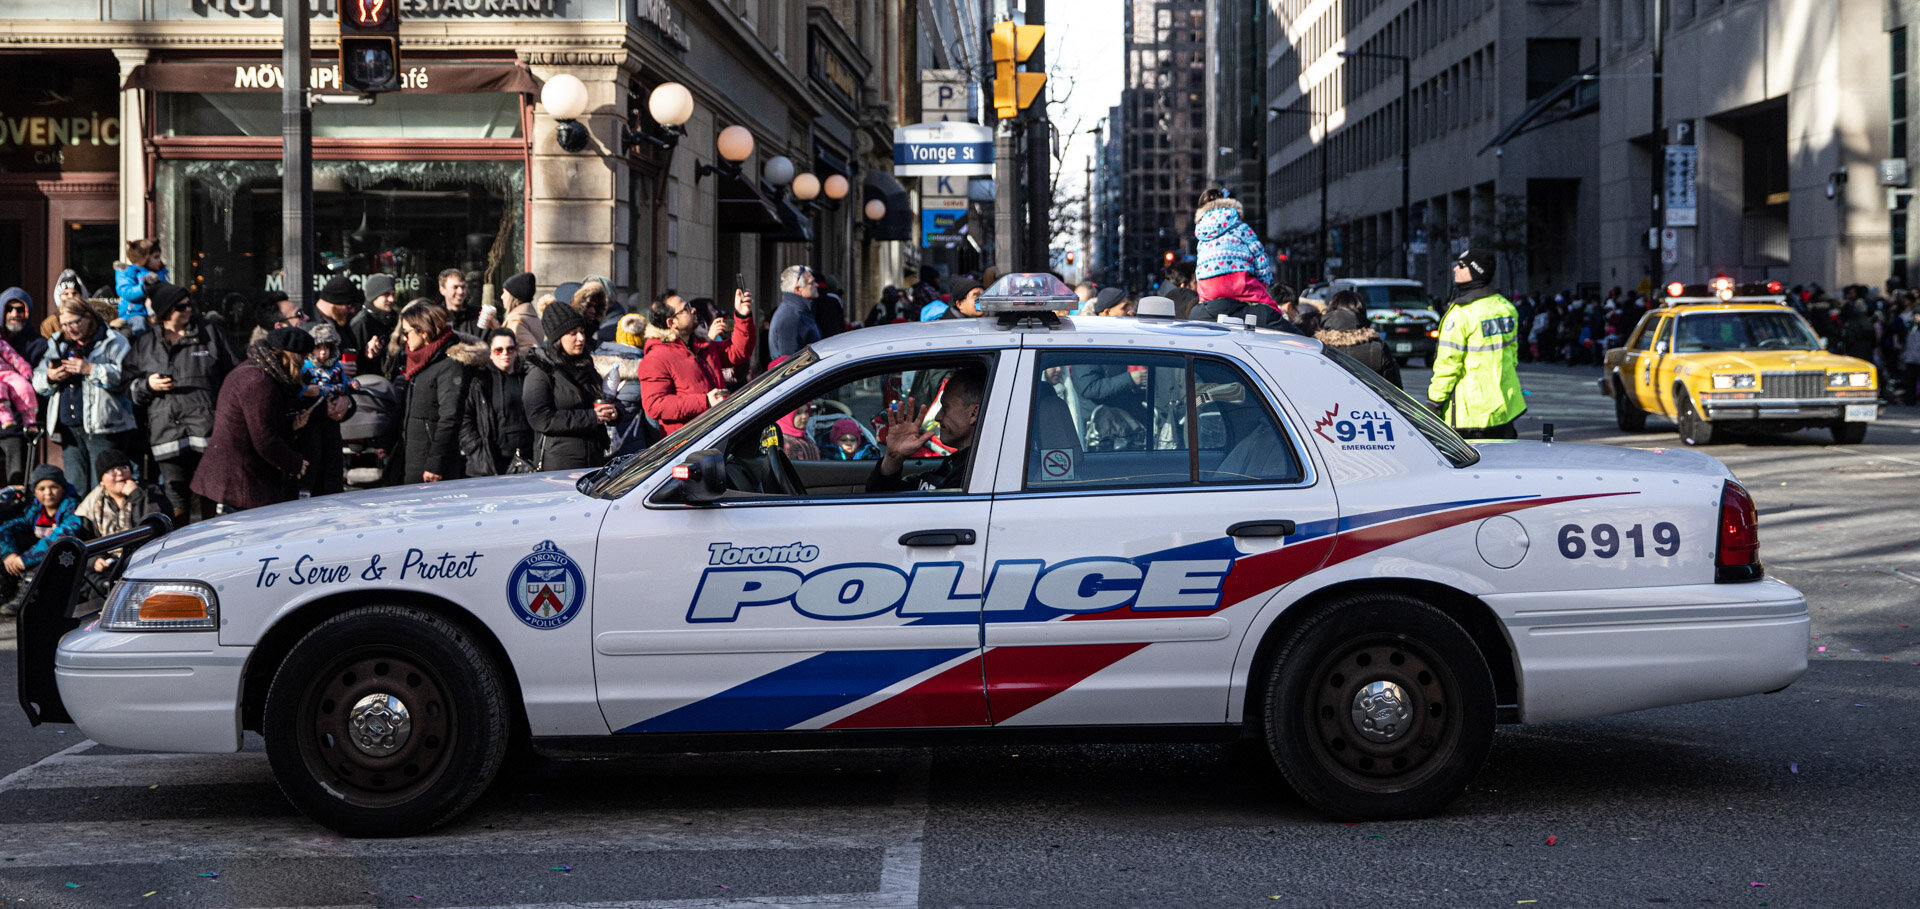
(1801, 798)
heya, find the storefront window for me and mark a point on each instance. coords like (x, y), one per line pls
(409, 219)
(397, 115)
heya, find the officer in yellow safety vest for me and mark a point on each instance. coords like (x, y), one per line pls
(1476, 374)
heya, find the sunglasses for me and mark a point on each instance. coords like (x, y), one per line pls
(11, 308)
(502, 350)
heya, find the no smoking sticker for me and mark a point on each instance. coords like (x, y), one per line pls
(1057, 463)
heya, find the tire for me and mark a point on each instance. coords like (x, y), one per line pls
(1845, 433)
(455, 709)
(1316, 683)
(1693, 430)
(1627, 414)
(1402, 360)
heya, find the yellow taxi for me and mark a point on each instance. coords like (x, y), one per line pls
(1716, 357)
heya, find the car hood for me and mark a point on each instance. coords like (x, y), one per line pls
(1773, 361)
(435, 504)
(1635, 462)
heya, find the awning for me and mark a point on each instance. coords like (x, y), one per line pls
(795, 226)
(743, 209)
(898, 222)
(1578, 96)
(265, 76)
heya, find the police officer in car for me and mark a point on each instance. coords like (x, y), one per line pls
(906, 433)
(1476, 373)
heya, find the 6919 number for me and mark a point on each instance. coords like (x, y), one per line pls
(1605, 540)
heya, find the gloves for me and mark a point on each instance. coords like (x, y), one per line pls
(1439, 408)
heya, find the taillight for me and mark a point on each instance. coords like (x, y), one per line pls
(1738, 554)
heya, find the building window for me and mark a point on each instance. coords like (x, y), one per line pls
(1550, 61)
(1897, 95)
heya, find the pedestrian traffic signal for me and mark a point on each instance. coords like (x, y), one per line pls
(1013, 90)
(370, 45)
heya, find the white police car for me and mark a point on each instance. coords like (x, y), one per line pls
(1112, 528)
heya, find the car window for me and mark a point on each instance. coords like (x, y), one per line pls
(827, 440)
(1102, 419)
(1393, 296)
(1662, 332)
(1643, 335)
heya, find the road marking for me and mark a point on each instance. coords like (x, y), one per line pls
(13, 779)
(79, 771)
(1859, 454)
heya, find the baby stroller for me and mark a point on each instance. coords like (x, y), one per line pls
(368, 436)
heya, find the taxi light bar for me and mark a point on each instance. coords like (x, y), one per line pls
(1675, 289)
(1774, 286)
(1737, 558)
(1723, 287)
(1028, 292)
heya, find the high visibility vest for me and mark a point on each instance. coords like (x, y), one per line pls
(1476, 370)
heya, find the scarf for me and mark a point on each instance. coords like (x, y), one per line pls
(418, 359)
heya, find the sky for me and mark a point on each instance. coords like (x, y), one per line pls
(1084, 42)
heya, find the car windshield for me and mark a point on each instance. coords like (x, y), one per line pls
(1455, 449)
(1392, 296)
(1778, 330)
(621, 478)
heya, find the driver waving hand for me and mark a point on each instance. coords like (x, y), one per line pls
(906, 433)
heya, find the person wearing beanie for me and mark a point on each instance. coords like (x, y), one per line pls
(374, 323)
(966, 299)
(25, 538)
(1476, 371)
(680, 374)
(521, 301)
(618, 362)
(337, 304)
(1346, 328)
(174, 373)
(116, 505)
(82, 378)
(1111, 301)
(563, 395)
(849, 443)
(252, 458)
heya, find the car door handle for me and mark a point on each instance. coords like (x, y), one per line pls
(1262, 529)
(956, 537)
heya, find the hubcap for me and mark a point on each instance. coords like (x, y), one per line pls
(380, 724)
(1380, 711)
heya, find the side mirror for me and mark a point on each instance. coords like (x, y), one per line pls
(702, 477)
(1659, 347)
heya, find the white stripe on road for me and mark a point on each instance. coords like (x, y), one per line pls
(67, 770)
(13, 779)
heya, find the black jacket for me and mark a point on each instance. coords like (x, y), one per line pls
(1263, 316)
(495, 427)
(559, 401)
(951, 472)
(179, 421)
(370, 323)
(1363, 344)
(435, 401)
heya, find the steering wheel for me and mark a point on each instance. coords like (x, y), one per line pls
(781, 475)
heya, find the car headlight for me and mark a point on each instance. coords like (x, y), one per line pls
(161, 606)
(1733, 380)
(1848, 380)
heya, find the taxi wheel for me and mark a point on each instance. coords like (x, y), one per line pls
(385, 721)
(1626, 413)
(1693, 430)
(1845, 433)
(1379, 707)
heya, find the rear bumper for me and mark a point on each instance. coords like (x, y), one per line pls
(1589, 653)
(157, 691)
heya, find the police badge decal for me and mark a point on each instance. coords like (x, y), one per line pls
(546, 589)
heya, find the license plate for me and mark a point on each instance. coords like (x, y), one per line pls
(1863, 413)
(1407, 347)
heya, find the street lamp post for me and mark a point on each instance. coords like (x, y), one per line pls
(1406, 152)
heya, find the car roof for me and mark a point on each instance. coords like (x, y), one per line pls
(990, 330)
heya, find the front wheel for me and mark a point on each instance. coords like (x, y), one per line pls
(385, 721)
(1379, 707)
(1845, 433)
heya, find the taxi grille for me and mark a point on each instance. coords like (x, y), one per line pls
(1793, 384)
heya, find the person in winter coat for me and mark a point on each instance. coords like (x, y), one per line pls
(1476, 379)
(793, 326)
(1343, 329)
(523, 307)
(439, 364)
(129, 278)
(19, 405)
(495, 428)
(325, 389)
(80, 376)
(563, 395)
(25, 538)
(618, 362)
(175, 373)
(1231, 264)
(18, 330)
(374, 324)
(251, 459)
(680, 374)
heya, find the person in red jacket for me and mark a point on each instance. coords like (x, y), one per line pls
(679, 373)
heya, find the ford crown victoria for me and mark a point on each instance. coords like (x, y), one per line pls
(1103, 529)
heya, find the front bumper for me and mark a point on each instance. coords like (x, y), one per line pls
(1635, 648)
(155, 691)
(1805, 410)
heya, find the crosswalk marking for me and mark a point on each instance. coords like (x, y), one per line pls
(893, 828)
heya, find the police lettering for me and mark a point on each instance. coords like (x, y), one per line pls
(863, 590)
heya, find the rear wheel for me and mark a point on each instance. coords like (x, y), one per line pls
(1379, 707)
(385, 721)
(1693, 429)
(1845, 433)
(1626, 412)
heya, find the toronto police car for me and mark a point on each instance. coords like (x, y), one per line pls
(1087, 528)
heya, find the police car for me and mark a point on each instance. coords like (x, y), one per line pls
(1082, 528)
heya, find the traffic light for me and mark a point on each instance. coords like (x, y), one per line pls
(370, 45)
(1167, 257)
(1013, 91)
(1285, 254)
(1069, 258)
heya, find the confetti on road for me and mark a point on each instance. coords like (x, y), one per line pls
(1793, 768)
(73, 885)
(1552, 840)
(209, 874)
(561, 868)
(148, 894)
(1757, 884)
(1823, 650)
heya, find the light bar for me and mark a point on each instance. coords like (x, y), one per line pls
(1028, 292)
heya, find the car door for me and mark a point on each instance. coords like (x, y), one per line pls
(1133, 485)
(1659, 382)
(827, 608)
(1646, 363)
